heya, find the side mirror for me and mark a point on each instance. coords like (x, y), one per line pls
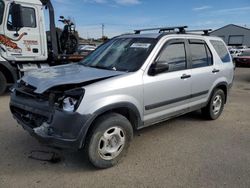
(61, 17)
(158, 67)
(17, 19)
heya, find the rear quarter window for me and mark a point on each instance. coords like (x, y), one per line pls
(221, 50)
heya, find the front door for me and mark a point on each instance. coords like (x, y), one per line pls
(26, 43)
(168, 93)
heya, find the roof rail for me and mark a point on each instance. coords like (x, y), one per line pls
(162, 29)
(205, 31)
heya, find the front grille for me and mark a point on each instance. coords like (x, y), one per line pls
(28, 118)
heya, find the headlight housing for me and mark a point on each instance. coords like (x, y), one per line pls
(72, 99)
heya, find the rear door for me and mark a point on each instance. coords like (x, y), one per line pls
(224, 61)
(204, 73)
(168, 93)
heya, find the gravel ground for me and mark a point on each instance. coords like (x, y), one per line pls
(184, 152)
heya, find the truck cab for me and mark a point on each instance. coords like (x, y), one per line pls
(22, 31)
(24, 43)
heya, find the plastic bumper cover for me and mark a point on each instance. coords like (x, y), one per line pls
(56, 128)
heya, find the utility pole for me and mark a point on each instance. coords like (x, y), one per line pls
(103, 30)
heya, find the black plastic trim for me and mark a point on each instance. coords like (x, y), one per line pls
(96, 114)
(165, 103)
(218, 85)
(127, 105)
(66, 128)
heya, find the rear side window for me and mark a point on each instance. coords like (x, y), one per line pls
(221, 50)
(175, 56)
(201, 55)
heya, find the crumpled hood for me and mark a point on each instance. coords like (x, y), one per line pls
(47, 78)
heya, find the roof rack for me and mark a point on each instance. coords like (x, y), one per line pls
(205, 31)
(163, 29)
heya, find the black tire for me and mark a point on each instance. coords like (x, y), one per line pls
(210, 112)
(95, 143)
(3, 83)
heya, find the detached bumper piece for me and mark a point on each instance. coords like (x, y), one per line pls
(50, 126)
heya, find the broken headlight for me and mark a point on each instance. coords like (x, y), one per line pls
(72, 99)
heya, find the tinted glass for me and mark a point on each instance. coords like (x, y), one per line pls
(201, 55)
(29, 18)
(1, 11)
(121, 54)
(175, 56)
(221, 51)
(209, 56)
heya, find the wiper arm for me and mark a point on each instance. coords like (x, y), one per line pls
(106, 68)
(100, 67)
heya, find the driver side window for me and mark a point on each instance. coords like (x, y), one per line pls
(175, 56)
(9, 24)
(28, 15)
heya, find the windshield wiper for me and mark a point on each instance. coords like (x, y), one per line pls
(100, 67)
(96, 66)
(105, 68)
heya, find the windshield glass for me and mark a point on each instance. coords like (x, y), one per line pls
(121, 54)
(245, 53)
(1, 11)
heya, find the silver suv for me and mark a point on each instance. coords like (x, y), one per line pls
(130, 82)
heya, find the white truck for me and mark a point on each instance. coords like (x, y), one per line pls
(24, 43)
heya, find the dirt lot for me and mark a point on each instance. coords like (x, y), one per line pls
(184, 152)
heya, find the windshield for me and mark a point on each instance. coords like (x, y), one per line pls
(245, 53)
(1, 11)
(121, 54)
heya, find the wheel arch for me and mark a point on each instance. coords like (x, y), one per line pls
(8, 71)
(126, 109)
(224, 87)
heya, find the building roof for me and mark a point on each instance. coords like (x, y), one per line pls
(231, 25)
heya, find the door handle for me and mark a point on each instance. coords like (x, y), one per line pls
(215, 71)
(185, 76)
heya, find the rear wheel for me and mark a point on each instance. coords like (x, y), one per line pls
(215, 106)
(109, 140)
(3, 83)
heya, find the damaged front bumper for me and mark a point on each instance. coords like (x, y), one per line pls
(51, 126)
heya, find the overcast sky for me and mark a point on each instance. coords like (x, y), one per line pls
(122, 16)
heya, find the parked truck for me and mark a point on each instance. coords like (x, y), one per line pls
(24, 43)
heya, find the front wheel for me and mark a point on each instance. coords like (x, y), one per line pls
(109, 140)
(215, 106)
